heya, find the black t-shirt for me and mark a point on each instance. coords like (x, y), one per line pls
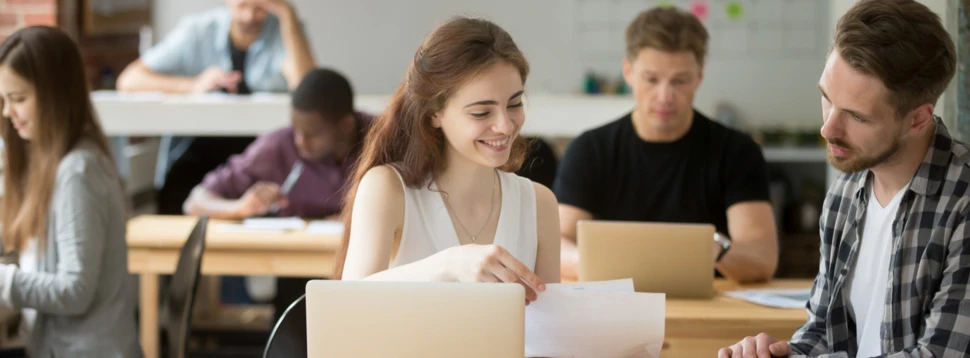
(239, 64)
(615, 175)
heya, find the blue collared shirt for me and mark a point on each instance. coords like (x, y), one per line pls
(201, 41)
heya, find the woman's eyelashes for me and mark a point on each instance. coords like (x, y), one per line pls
(486, 113)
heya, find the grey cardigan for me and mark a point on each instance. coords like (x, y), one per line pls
(81, 289)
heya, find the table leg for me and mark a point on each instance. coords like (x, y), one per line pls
(149, 315)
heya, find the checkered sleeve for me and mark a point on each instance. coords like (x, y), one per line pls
(947, 320)
(809, 339)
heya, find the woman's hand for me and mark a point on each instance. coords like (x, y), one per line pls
(491, 263)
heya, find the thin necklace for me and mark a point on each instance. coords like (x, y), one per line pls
(491, 208)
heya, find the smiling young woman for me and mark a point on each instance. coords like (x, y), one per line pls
(434, 197)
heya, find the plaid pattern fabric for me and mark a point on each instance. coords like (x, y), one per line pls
(927, 312)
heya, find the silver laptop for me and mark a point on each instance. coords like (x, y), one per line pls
(363, 319)
(675, 259)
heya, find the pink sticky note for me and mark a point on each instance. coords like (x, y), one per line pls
(699, 8)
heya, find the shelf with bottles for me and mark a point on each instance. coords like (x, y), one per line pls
(597, 84)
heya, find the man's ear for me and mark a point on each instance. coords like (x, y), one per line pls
(922, 117)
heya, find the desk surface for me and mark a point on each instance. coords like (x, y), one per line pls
(694, 328)
(729, 308)
(698, 328)
(170, 232)
(154, 114)
(154, 244)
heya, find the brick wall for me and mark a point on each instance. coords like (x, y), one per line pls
(15, 14)
(104, 56)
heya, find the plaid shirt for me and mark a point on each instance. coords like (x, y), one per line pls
(927, 312)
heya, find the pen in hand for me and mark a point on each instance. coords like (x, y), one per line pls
(287, 185)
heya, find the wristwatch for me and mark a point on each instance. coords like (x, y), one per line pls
(725, 243)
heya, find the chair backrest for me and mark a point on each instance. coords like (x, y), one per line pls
(288, 339)
(180, 298)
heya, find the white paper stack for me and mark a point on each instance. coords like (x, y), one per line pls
(288, 223)
(275, 225)
(595, 319)
(324, 227)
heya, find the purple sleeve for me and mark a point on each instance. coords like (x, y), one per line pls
(260, 162)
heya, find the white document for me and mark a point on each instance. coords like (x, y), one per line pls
(595, 319)
(325, 227)
(794, 298)
(622, 285)
(288, 223)
(233, 227)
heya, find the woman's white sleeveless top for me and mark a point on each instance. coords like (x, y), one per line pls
(428, 228)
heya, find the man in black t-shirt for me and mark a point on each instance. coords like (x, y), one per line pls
(666, 162)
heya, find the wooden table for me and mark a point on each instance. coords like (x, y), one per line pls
(153, 249)
(698, 328)
(694, 328)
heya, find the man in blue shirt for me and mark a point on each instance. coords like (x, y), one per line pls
(198, 55)
(247, 46)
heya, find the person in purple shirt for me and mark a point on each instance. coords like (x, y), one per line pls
(325, 136)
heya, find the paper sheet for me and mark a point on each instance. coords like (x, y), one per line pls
(288, 223)
(621, 285)
(325, 227)
(234, 227)
(598, 319)
(794, 298)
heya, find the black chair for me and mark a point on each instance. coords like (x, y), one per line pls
(288, 339)
(8, 330)
(179, 300)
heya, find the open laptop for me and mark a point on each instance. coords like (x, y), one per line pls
(363, 319)
(676, 259)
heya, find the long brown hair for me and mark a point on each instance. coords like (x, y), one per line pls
(402, 135)
(48, 59)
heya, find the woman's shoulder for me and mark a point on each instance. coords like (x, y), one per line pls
(380, 196)
(545, 199)
(86, 159)
(383, 178)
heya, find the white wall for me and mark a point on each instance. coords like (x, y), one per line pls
(372, 41)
